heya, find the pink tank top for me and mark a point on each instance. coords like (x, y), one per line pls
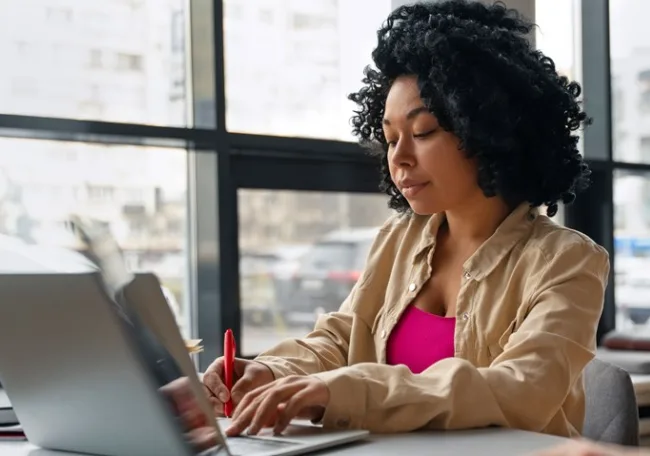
(420, 339)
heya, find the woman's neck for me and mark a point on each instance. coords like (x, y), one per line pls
(476, 221)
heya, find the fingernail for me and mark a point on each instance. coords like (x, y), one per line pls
(223, 396)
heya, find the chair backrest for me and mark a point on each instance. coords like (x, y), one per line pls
(612, 414)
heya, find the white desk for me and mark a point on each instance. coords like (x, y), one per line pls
(484, 442)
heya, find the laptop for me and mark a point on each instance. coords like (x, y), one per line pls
(83, 366)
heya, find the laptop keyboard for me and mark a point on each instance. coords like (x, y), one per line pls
(239, 446)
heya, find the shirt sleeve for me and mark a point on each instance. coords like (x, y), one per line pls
(324, 349)
(524, 387)
(327, 347)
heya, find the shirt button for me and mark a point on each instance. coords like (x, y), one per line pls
(412, 287)
(467, 275)
(465, 316)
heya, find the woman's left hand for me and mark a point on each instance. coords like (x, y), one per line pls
(198, 430)
(277, 403)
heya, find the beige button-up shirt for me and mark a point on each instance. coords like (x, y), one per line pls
(527, 313)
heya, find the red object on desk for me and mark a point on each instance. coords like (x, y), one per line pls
(9, 433)
(229, 350)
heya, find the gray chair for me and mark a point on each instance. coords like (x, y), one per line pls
(612, 414)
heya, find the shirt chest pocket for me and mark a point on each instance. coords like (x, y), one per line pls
(370, 313)
(496, 345)
(498, 324)
(368, 304)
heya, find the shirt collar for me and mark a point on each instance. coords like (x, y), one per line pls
(491, 252)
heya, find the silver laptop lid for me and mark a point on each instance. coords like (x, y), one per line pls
(73, 374)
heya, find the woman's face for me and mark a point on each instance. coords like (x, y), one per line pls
(424, 160)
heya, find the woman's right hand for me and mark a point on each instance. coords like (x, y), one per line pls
(247, 376)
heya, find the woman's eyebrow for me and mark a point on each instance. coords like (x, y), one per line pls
(411, 114)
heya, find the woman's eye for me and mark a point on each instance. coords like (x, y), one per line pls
(425, 134)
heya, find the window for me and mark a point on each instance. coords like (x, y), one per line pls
(100, 193)
(129, 62)
(334, 39)
(645, 148)
(307, 22)
(556, 33)
(300, 255)
(178, 32)
(95, 58)
(39, 187)
(266, 16)
(643, 80)
(632, 248)
(61, 54)
(559, 217)
(59, 15)
(630, 67)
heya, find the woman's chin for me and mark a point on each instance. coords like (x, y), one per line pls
(422, 209)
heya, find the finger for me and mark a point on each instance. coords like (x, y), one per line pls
(242, 387)
(239, 425)
(203, 438)
(212, 379)
(292, 408)
(561, 450)
(180, 393)
(246, 410)
(249, 398)
(193, 419)
(268, 405)
(208, 392)
(217, 406)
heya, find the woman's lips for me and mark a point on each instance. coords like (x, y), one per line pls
(410, 191)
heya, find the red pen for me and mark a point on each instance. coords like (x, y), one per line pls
(228, 367)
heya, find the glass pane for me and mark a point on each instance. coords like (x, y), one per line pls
(291, 63)
(139, 192)
(115, 60)
(301, 258)
(556, 33)
(632, 249)
(630, 72)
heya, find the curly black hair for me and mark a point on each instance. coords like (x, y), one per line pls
(478, 73)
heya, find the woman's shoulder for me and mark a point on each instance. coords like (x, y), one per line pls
(552, 240)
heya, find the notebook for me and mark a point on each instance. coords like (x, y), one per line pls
(12, 433)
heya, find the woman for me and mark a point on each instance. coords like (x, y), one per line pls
(474, 309)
